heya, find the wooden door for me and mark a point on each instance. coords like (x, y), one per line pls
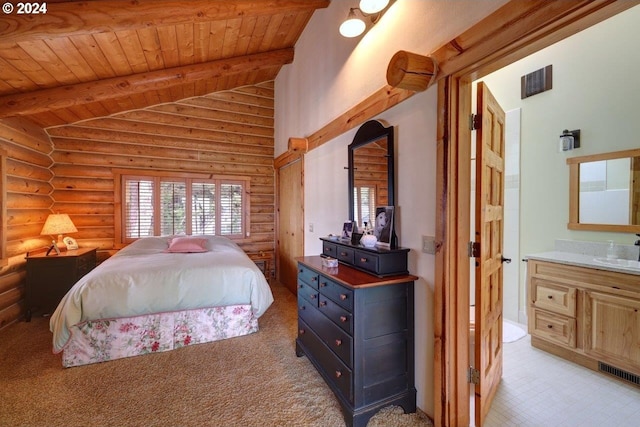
(490, 142)
(290, 210)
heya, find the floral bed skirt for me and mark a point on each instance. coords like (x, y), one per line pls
(101, 340)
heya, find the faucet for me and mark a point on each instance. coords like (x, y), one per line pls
(637, 243)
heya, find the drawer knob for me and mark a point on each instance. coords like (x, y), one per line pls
(550, 296)
(301, 331)
(343, 297)
(550, 326)
(313, 296)
(343, 254)
(343, 319)
(303, 307)
(300, 271)
(323, 284)
(363, 260)
(338, 374)
(323, 303)
(314, 279)
(338, 343)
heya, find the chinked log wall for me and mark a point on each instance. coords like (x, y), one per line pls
(227, 133)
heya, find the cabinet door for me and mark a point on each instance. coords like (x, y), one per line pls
(612, 329)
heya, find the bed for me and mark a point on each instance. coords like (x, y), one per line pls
(158, 294)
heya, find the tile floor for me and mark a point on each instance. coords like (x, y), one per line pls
(539, 389)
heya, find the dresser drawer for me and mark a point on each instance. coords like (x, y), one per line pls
(330, 334)
(337, 293)
(345, 254)
(308, 294)
(366, 261)
(332, 368)
(554, 327)
(554, 297)
(340, 316)
(308, 276)
(329, 249)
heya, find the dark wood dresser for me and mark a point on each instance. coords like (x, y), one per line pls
(50, 277)
(357, 329)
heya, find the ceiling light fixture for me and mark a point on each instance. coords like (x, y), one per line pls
(373, 6)
(370, 12)
(352, 26)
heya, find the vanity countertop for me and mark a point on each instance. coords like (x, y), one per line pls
(582, 260)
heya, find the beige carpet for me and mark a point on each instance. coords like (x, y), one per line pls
(248, 381)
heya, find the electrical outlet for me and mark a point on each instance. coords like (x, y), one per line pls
(429, 245)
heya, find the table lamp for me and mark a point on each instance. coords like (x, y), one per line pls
(58, 224)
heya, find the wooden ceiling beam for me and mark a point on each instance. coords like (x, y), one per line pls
(91, 17)
(84, 93)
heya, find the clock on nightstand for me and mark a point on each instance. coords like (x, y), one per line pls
(49, 278)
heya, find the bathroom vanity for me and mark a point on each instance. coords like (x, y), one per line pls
(586, 310)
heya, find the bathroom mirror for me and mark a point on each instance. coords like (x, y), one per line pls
(604, 192)
(371, 171)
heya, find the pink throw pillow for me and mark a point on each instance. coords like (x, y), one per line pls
(187, 244)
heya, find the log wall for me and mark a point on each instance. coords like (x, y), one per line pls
(226, 133)
(68, 169)
(28, 199)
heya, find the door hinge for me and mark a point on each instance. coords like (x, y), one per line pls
(475, 121)
(473, 375)
(474, 249)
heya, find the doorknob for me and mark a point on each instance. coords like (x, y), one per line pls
(507, 260)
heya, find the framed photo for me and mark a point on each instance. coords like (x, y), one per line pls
(347, 230)
(383, 225)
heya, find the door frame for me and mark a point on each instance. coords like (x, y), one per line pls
(299, 238)
(511, 33)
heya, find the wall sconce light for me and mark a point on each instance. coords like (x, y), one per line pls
(569, 140)
(370, 11)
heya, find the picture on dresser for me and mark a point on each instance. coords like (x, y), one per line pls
(383, 225)
(347, 230)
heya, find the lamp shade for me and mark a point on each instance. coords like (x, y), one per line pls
(58, 224)
(353, 26)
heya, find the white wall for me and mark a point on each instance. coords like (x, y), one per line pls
(331, 74)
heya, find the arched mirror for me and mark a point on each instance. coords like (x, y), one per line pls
(371, 172)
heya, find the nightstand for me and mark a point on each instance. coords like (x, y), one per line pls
(50, 277)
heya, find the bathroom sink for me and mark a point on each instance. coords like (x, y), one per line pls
(625, 263)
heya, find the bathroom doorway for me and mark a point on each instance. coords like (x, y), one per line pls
(485, 48)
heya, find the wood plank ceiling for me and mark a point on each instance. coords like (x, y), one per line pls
(88, 59)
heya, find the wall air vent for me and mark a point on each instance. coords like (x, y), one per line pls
(617, 372)
(536, 82)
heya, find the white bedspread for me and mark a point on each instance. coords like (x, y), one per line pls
(142, 279)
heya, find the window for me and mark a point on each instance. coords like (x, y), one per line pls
(164, 204)
(364, 204)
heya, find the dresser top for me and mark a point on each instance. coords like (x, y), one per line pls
(352, 277)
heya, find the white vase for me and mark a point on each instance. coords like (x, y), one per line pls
(369, 240)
